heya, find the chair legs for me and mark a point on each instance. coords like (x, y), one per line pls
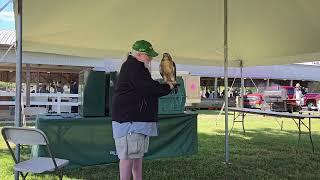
(60, 175)
(24, 176)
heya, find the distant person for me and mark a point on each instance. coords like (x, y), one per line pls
(74, 90)
(230, 90)
(298, 95)
(74, 87)
(43, 89)
(60, 87)
(207, 94)
(52, 88)
(236, 93)
(303, 90)
(211, 95)
(203, 93)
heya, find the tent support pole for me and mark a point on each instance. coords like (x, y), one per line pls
(28, 76)
(226, 80)
(17, 117)
(242, 84)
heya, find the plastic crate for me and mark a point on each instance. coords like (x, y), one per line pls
(173, 103)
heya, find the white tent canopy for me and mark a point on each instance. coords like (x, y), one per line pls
(260, 32)
(289, 72)
(293, 71)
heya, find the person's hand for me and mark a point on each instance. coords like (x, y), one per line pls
(171, 85)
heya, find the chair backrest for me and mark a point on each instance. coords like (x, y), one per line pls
(27, 136)
(23, 135)
(31, 111)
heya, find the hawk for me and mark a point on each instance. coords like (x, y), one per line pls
(168, 69)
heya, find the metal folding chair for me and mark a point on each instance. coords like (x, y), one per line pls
(32, 136)
(31, 111)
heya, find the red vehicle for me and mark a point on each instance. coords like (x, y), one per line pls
(281, 98)
(254, 100)
(291, 101)
(288, 89)
(310, 99)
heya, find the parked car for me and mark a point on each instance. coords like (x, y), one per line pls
(310, 99)
(254, 100)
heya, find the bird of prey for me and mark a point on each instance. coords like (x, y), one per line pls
(168, 71)
(168, 68)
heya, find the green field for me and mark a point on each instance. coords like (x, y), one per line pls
(265, 152)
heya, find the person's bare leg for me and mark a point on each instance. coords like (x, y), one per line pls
(125, 167)
(137, 169)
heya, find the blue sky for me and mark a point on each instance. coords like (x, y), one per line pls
(6, 16)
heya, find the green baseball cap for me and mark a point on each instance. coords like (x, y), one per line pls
(144, 46)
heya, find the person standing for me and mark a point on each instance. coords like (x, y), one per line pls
(135, 109)
(60, 87)
(74, 90)
(44, 89)
(299, 95)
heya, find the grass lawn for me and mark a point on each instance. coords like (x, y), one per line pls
(265, 152)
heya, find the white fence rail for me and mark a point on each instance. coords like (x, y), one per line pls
(59, 102)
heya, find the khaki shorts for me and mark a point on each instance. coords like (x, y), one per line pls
(132, 146)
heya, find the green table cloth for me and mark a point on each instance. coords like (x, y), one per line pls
(87, 141)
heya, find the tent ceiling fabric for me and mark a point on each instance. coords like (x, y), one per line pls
(260, 32)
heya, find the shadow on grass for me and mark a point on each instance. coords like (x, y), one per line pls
(261, 154)
(11, 123)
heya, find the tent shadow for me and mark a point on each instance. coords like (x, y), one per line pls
(265, 153)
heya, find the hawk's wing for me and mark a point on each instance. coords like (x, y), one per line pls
(161, 69)
(174, 71)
